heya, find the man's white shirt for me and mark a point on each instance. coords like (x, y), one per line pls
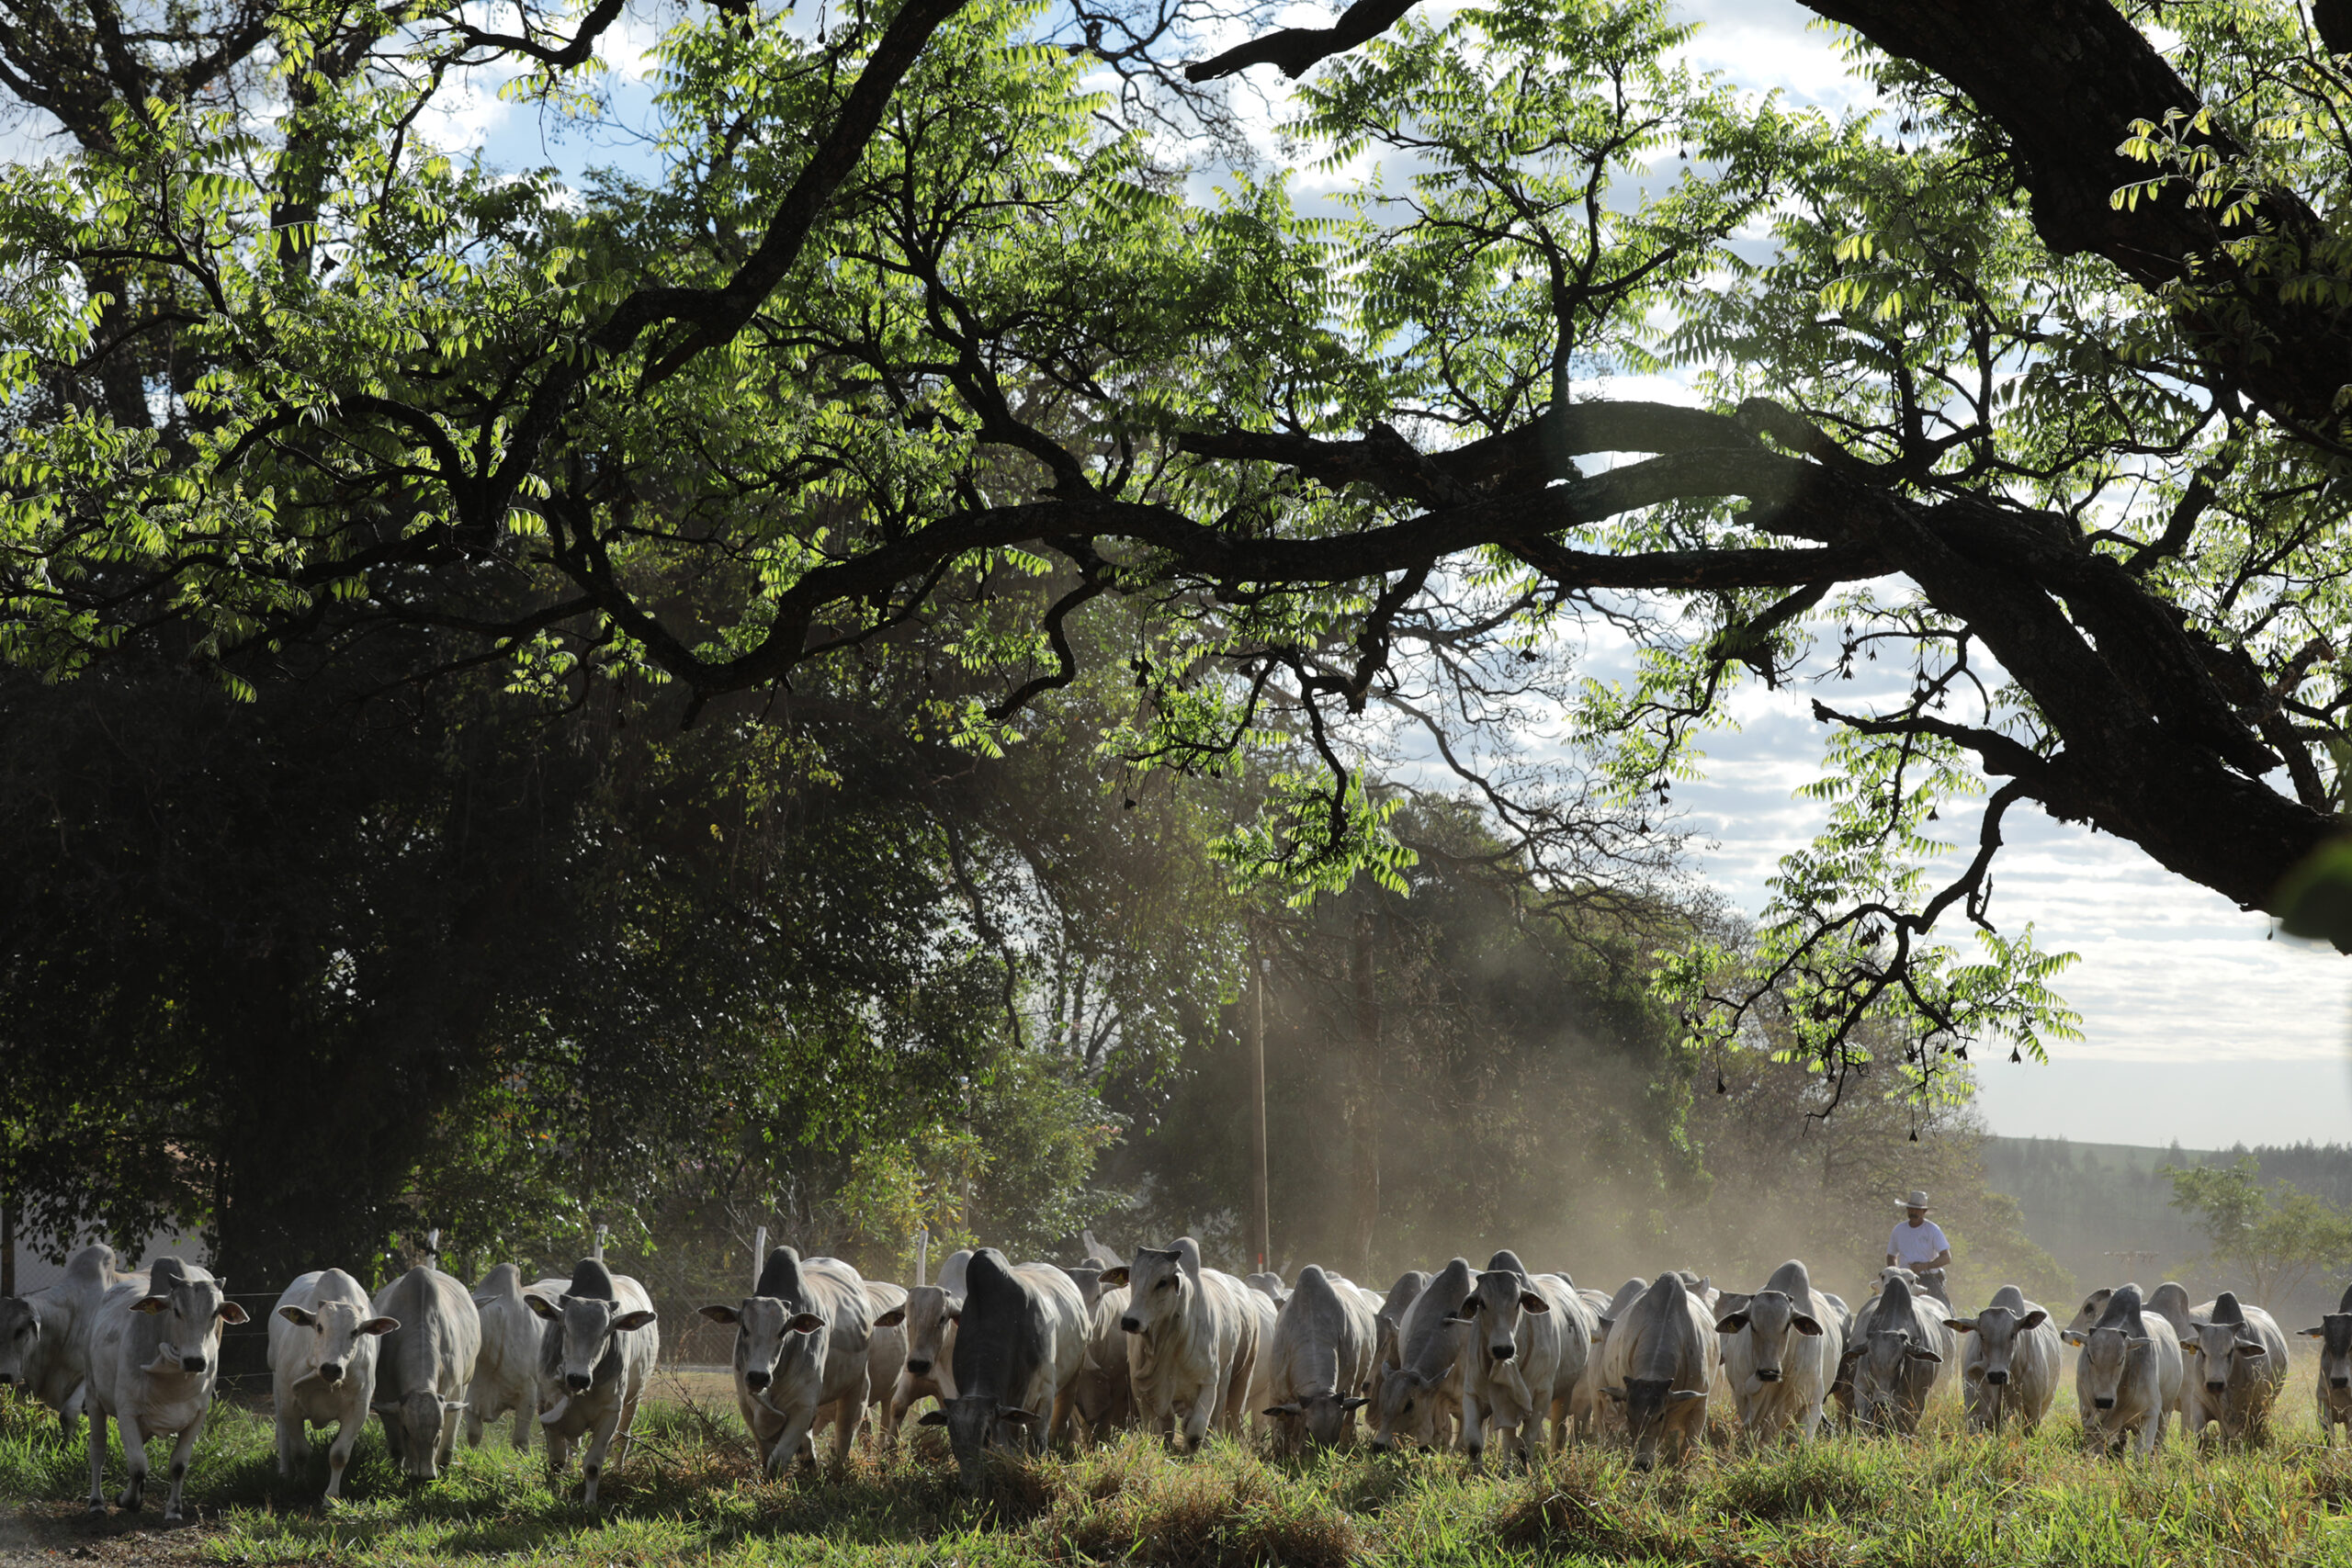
(1915, 1245)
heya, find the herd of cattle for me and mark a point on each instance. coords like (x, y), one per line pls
(1018, 1355)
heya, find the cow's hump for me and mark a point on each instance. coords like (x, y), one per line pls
(591, 1280)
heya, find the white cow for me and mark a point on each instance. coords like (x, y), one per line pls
(2010, 1357)
(1319, 1360)
(1580, 1345)
(323, 1342)
(1420, 1396)
(2233, 1364)
(1781, 1351)
(801, 1341)
(596, 1354)
(2128, 1376)
(424, 1367)
(506, 1374)
(929, 1322)
(1510, 1359)
(154, 1354)
(885, 1351)
(45, 1334)
(1105, 1397)
(1658, 1363)
(1902, 1351)
(1595, 1415)
(1386, 1348)
(2331, 1390)
(1192, 1342)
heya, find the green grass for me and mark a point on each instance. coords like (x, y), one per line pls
(689, 1493)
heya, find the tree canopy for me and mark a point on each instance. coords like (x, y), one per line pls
(929, 358)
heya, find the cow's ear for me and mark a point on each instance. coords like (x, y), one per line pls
(641, 1318)
(2070, 1337)
(1922, 1353)
(151, 1304)
(1280, 1410)
(1530, 1302)
(892, 1318)
(2033, 1319)
(2251, 1347)
(232, 1313)
(932, 1418)
(1731, 1324)
(1679, 1395)
(805, 1322)
(448, 1404)
(1354, 1402)
(1616, 1393)
(1114, 1277)
(1606, 1324)
(1963, 1325)
(953, 1309)
(379, 1325)
(717, 1314)
(1018, 1417)
(541, 1306)
(2319, 1333)
(1804, 1323)
(1853, 1353)
(293, 1314)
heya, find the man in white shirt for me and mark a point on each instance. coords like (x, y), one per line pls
(1918, 1242)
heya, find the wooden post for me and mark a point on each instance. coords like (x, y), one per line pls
(759, 1255)
(599, 1254)
(1261, 1239)
(922, 1255)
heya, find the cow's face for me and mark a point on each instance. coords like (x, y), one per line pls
(1497, 1299)
(2219, 1349)
(1088, 1281)
(976, 1423)
(189, 1314)
(928, 1318)
(19, 1340)
(1883, 1391)
(1769, 1317)
(412, 1428)
(2094, 1308)
(332, 1339)
(772, 1338)
(2107, 1355)
(580, 1333)
(1408, 1411)
(2334, 1335)
(1996, 1330)
(1157, 1288)
(1323, 1417)
(1647, 1402)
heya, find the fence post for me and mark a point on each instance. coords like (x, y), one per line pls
(599, 1253)
(758, 1253)
(922, 1254)
(433, 1245)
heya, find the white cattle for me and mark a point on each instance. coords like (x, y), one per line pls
(2010, 1359)
(1098, 1255)
(322, 1343)
(1901, 1352)
(1105, 1396)
(1658, 1362)
(506, 1374)
(801, 1341)
(2233, 1362)
(597, 1351)
(1781, 1348)
(1386, 1353)
(886, 1349)
(1020, 1343)
(2128, 1376)
(1192, 1342)
(45, 1334)
(2331, 1390)
(154, 1354)
(1510, 1359)
(930, 1323)
(1421, 1396)
(1269, 1285)
(425, 1366)
(1319, 1362)
(1579, 1346)
(1595, 1415)
(1260, 1395)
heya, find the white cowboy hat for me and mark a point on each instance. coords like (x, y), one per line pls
(1917, 1199)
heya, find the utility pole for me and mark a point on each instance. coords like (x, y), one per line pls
(1261, 1239)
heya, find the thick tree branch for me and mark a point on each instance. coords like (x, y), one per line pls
(1299, 51)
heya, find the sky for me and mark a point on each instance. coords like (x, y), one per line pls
(2198, 1025)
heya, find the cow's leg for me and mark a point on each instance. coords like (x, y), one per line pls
(134, 1454)
(846, 1415)
(903, 1394)
(559, 1456)
(69, 1415)
(346, 1437)
(292, 1439)
(628, 1428)
(591, 1462)
(523, 1425)
(1474, 1434)
(1205, 1409)
(182, 1452)
(473, 1424)
(1064, 1408)
(98, 1458)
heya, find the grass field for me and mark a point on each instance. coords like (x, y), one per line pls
(689, 1494)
